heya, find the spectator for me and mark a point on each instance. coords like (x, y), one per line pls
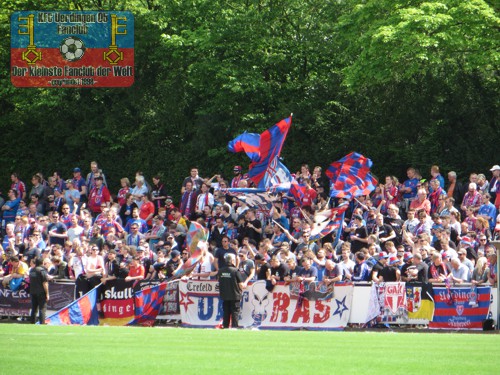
(481, 271)
(438, 270)
(459, 272)
(19, 270)
(80, 184)
(495, 185)
(91, 176)
(10, 207)
(98, 196)
(139, 190)
(18, 185)
(124, 192)
(472, 199)
(361, 269)
(194, 179)
(455, 188)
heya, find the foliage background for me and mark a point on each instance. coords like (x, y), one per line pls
(406, 83)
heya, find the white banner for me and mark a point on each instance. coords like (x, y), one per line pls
(313, 306)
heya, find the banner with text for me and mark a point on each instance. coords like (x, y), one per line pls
(467, 308)
(315, 306)
(72, 48)
(18, 303)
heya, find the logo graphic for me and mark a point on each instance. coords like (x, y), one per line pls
(460, 309)
(341, 307)
(261, 299)
(72, 48)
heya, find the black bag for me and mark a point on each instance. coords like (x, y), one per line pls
(488, 325)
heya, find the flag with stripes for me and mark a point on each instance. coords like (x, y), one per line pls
(148, 304)
(468, 309)
(350, 176)
(83, 311)
(264, 150)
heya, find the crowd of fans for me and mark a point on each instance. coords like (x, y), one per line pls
(420, 229)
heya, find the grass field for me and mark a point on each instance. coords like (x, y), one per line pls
(28, 349)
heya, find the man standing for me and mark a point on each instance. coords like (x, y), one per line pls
(39, 290)
(57, 231)
(409, 188)
(10, 207)
(231, 282)
(99, 195)
(495, 185)
(194, 179)
(188, 200)
(80, 185)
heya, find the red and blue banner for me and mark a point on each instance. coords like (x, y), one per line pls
(148, 303)
(265, 169)
(72, 49)
(350, 176)
(83, 311)
(467, 308)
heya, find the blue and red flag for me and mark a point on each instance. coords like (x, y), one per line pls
(468, 308)
(148, 304)
(298, 191)
(350, 176)
(263, 202)
(81, 312)
(325, 222)
(265, 169)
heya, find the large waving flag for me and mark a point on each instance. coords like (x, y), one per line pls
(197, 237)
(83, 311)
(325, 222)
(298, 191)
(265, 169)
(148, 304)
(350, 176)
(263, 202)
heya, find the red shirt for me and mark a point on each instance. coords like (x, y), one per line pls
(136, 271)
(147, 209)
(309, 197)
(97, 197)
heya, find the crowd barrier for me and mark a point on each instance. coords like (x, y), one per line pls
(313, 306)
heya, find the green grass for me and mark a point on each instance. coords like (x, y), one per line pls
(29, 349)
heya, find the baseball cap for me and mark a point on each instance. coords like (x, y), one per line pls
(259, 257)
(76, 170)
(408, 256)
(237, 168)
(358, 217)
(174, 253)
(393, 260)
(383, 254)
(496, 167)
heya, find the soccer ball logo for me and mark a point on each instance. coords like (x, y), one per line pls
(72, 48)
